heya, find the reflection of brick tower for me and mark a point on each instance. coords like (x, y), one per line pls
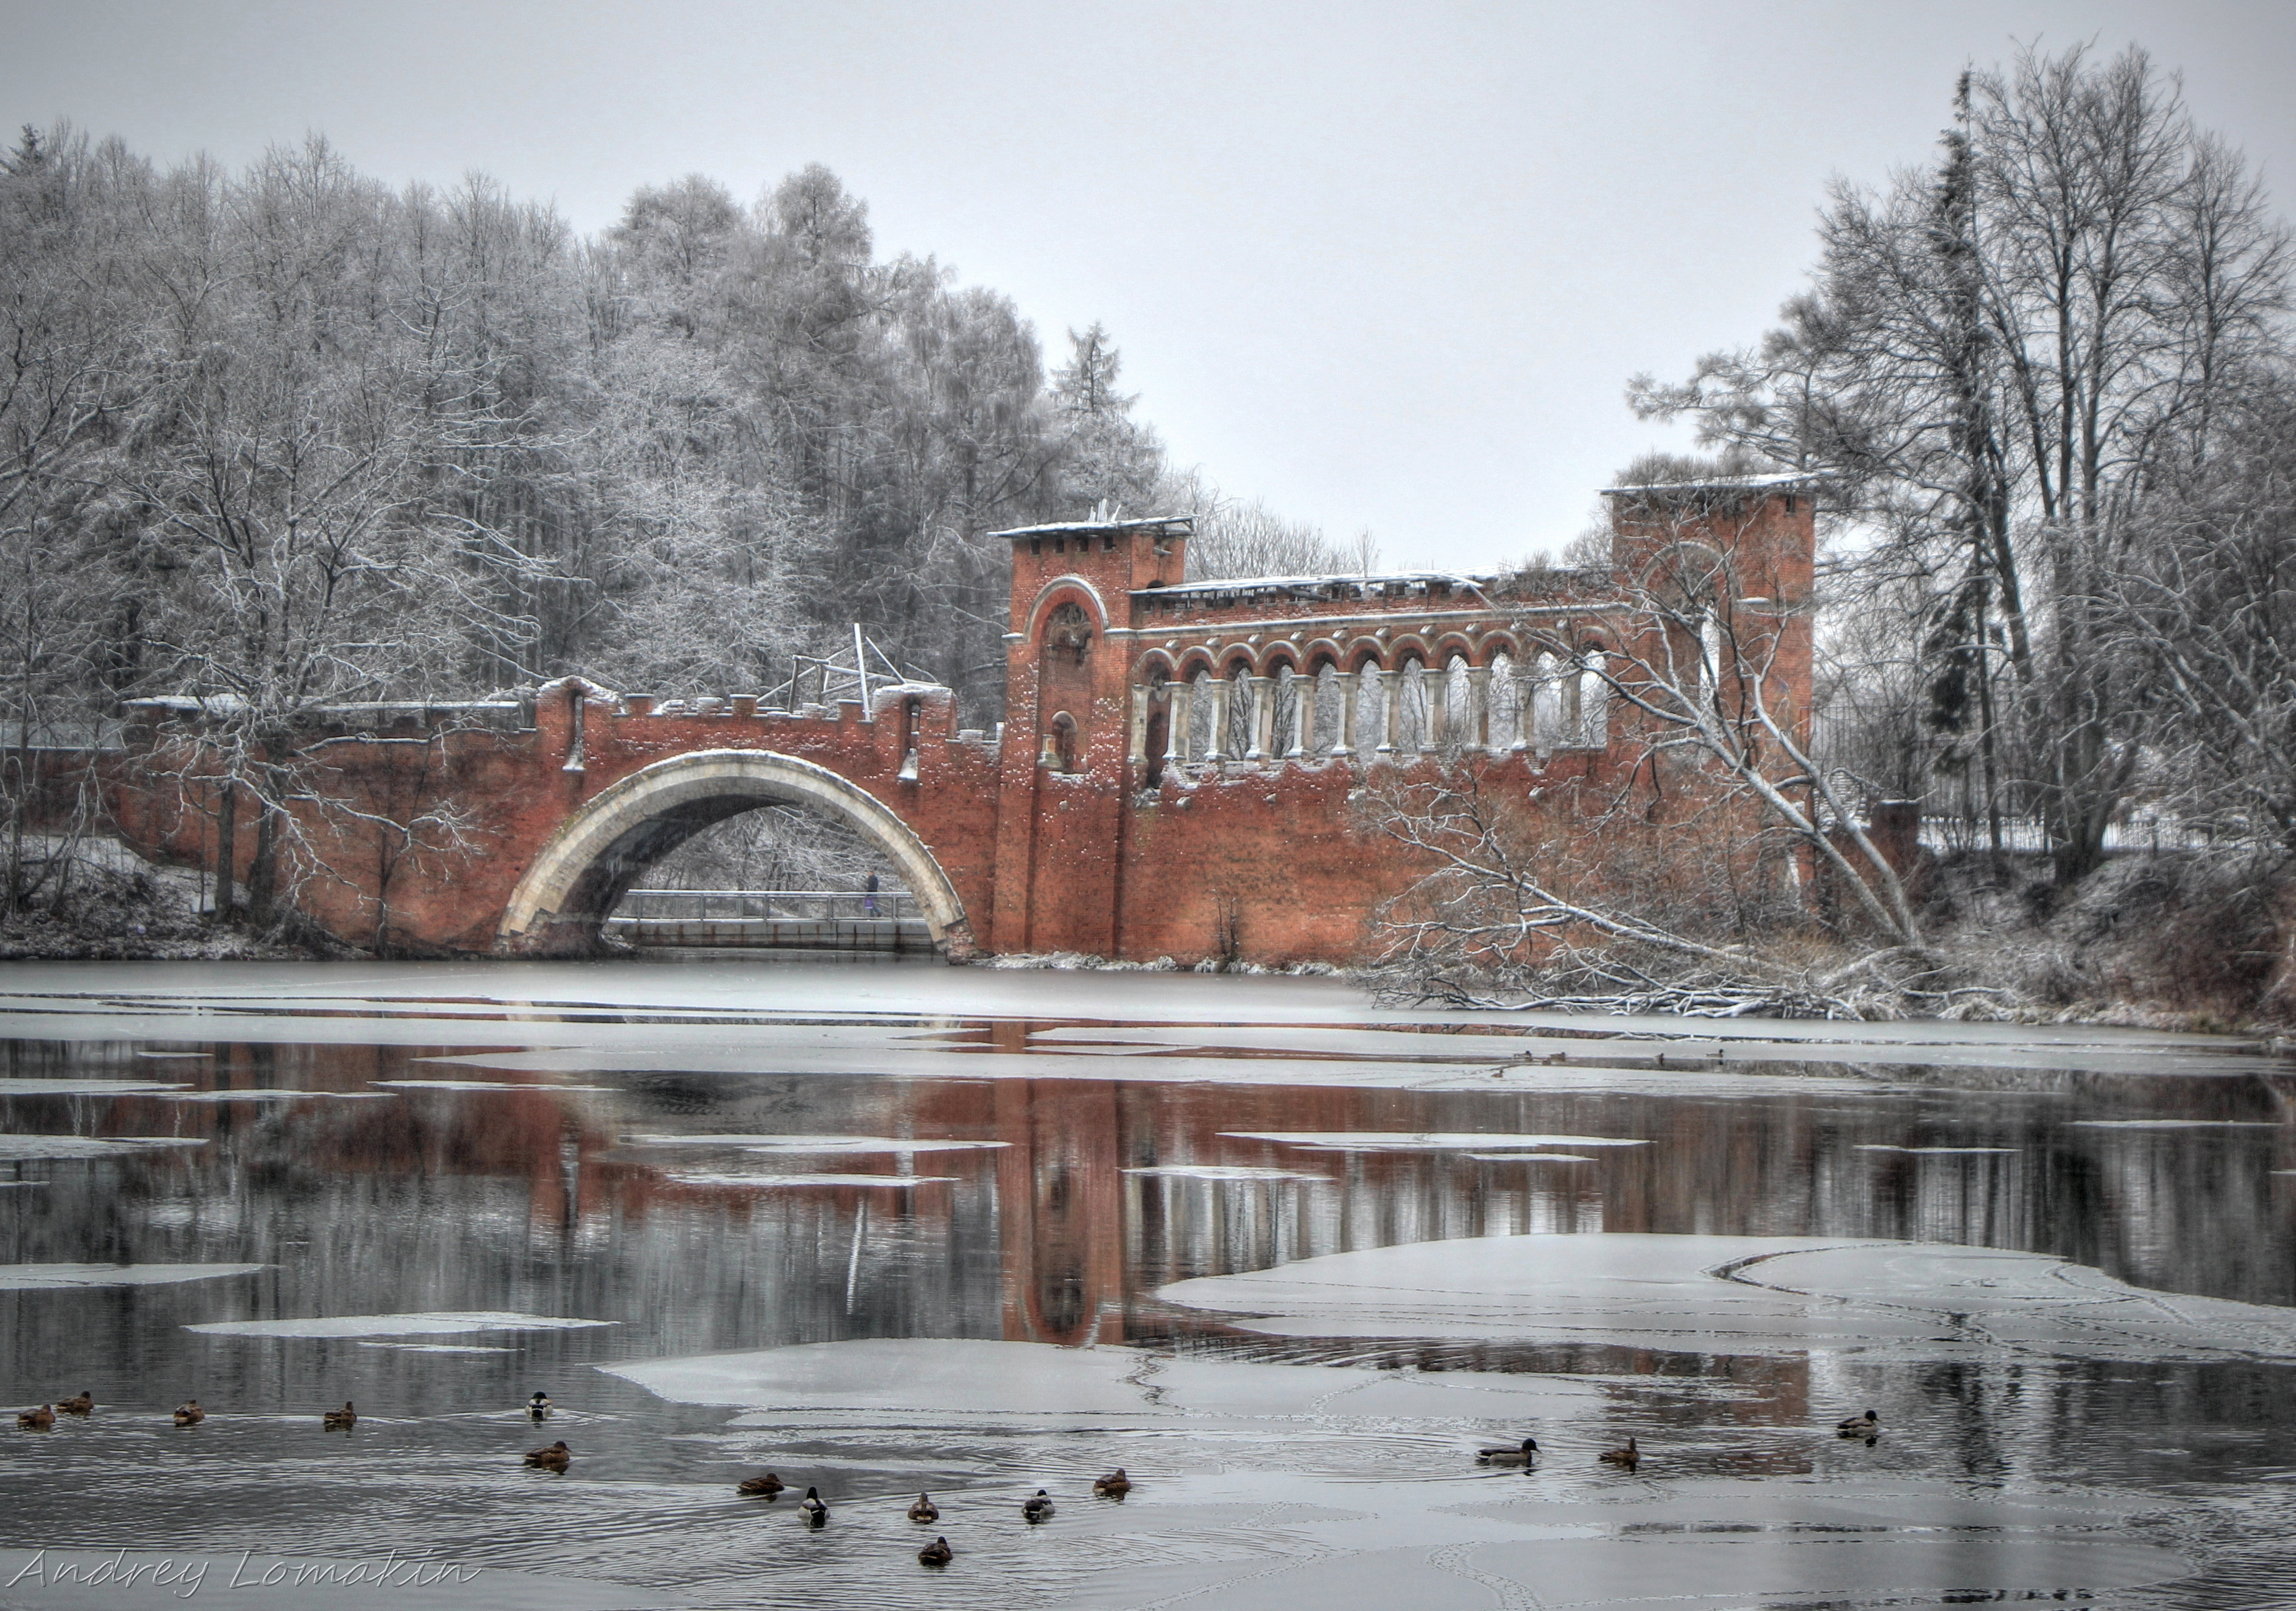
(1061, 811)
(1059, 1207)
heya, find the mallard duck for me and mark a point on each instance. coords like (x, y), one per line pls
(1867, 1425)
(935, 1554)
(1115, 1485)
(769, 1486)
(1522, 1454)
(815, 1513)
(37, 1420)
(84, 1404)
(342, 1420)
(1626, 1457)
(189, 1414)
(538, 1406)
(552, 1458)
(924, 1509)
(1038, 1509)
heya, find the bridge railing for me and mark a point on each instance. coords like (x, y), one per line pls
(785, 905)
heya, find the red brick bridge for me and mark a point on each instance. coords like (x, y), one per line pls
(1176, 777)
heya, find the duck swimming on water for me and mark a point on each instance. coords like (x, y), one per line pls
(555, 1458)
(538, 1406)
(1867, 1427)
(1522, 1454)
(815, 1513)
(36, 1420)
(924, 1509)
(1039, 1508)
(342, 1420)
(769, 1486)
(81, 1404)
(935, 1554)
(1115, 1485)
(189, 1414)
(1626, 1457)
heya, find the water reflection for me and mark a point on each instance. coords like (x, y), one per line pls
(524, 1192)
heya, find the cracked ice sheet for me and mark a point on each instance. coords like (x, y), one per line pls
(59, 1277)
(1905, 1301)
(442, 1324)
(1261, 1483)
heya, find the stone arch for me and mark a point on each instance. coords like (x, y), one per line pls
(1154, 667)
(1067, 590)
(579, 874)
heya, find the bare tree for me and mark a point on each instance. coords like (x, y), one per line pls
(1715, 867)
(1998, 359)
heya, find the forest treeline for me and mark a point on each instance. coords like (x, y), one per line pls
(287, 437)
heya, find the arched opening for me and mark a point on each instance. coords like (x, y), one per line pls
(602, 851)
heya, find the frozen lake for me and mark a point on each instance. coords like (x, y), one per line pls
(1288, 1257)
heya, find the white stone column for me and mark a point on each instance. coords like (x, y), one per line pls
(1478, 707)
(1343, 685)
(1216, 754)
(1176, 722)
(1392, 679)
(1303, 719)
(1520, 690)
(1137, 750)
(1262, 695)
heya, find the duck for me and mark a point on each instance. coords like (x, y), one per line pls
(1115, 1485)
(935, 1554)
(1626, 1457)
(189, 1414)
(342, 1420)
(1038, 1509)
(83, 1404)
(1522, 1454)
(36, 1420)
(555, 1458)
(538, 1407)
(924, 1509)
(769, 1486)
(1867, 1427)
(815, 1513)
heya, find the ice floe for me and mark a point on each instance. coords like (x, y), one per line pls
(2176, 1124)
(963, 1377)
(813, 1144)
(442, 1324)
(1225, 1172)
(34, 1086)
(15, 1148)
(771, 1182)
(42, 1278)
(1739, 1295)
(1383, 1140)
(527, 1085)
(1934, 1152)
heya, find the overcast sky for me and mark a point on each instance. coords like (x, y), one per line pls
(1384, 266)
